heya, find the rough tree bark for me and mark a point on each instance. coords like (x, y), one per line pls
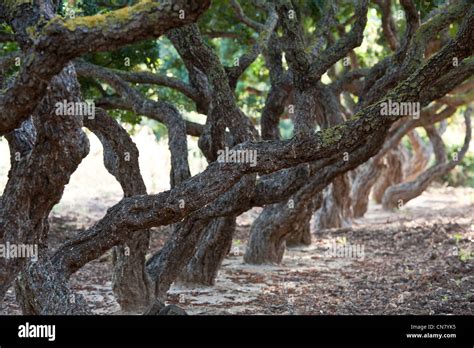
(131, 284)
(212, 248)
(216, 239)
(336, 210)
(49, 146)
(217, 234)
(60, 41)
(60, 143)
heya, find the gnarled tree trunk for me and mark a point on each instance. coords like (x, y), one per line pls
(366, 177)
(270, 230)
(42, 290)
(391, 173)
(420, 157)
(400, 194)
(130, 280)
(336, 210)
(213, 247)
(302, 235)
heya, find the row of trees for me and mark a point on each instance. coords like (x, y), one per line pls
(343, 147)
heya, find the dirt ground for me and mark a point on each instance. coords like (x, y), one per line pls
(418, 260)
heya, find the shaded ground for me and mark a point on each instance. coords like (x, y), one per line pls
(415, 261)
